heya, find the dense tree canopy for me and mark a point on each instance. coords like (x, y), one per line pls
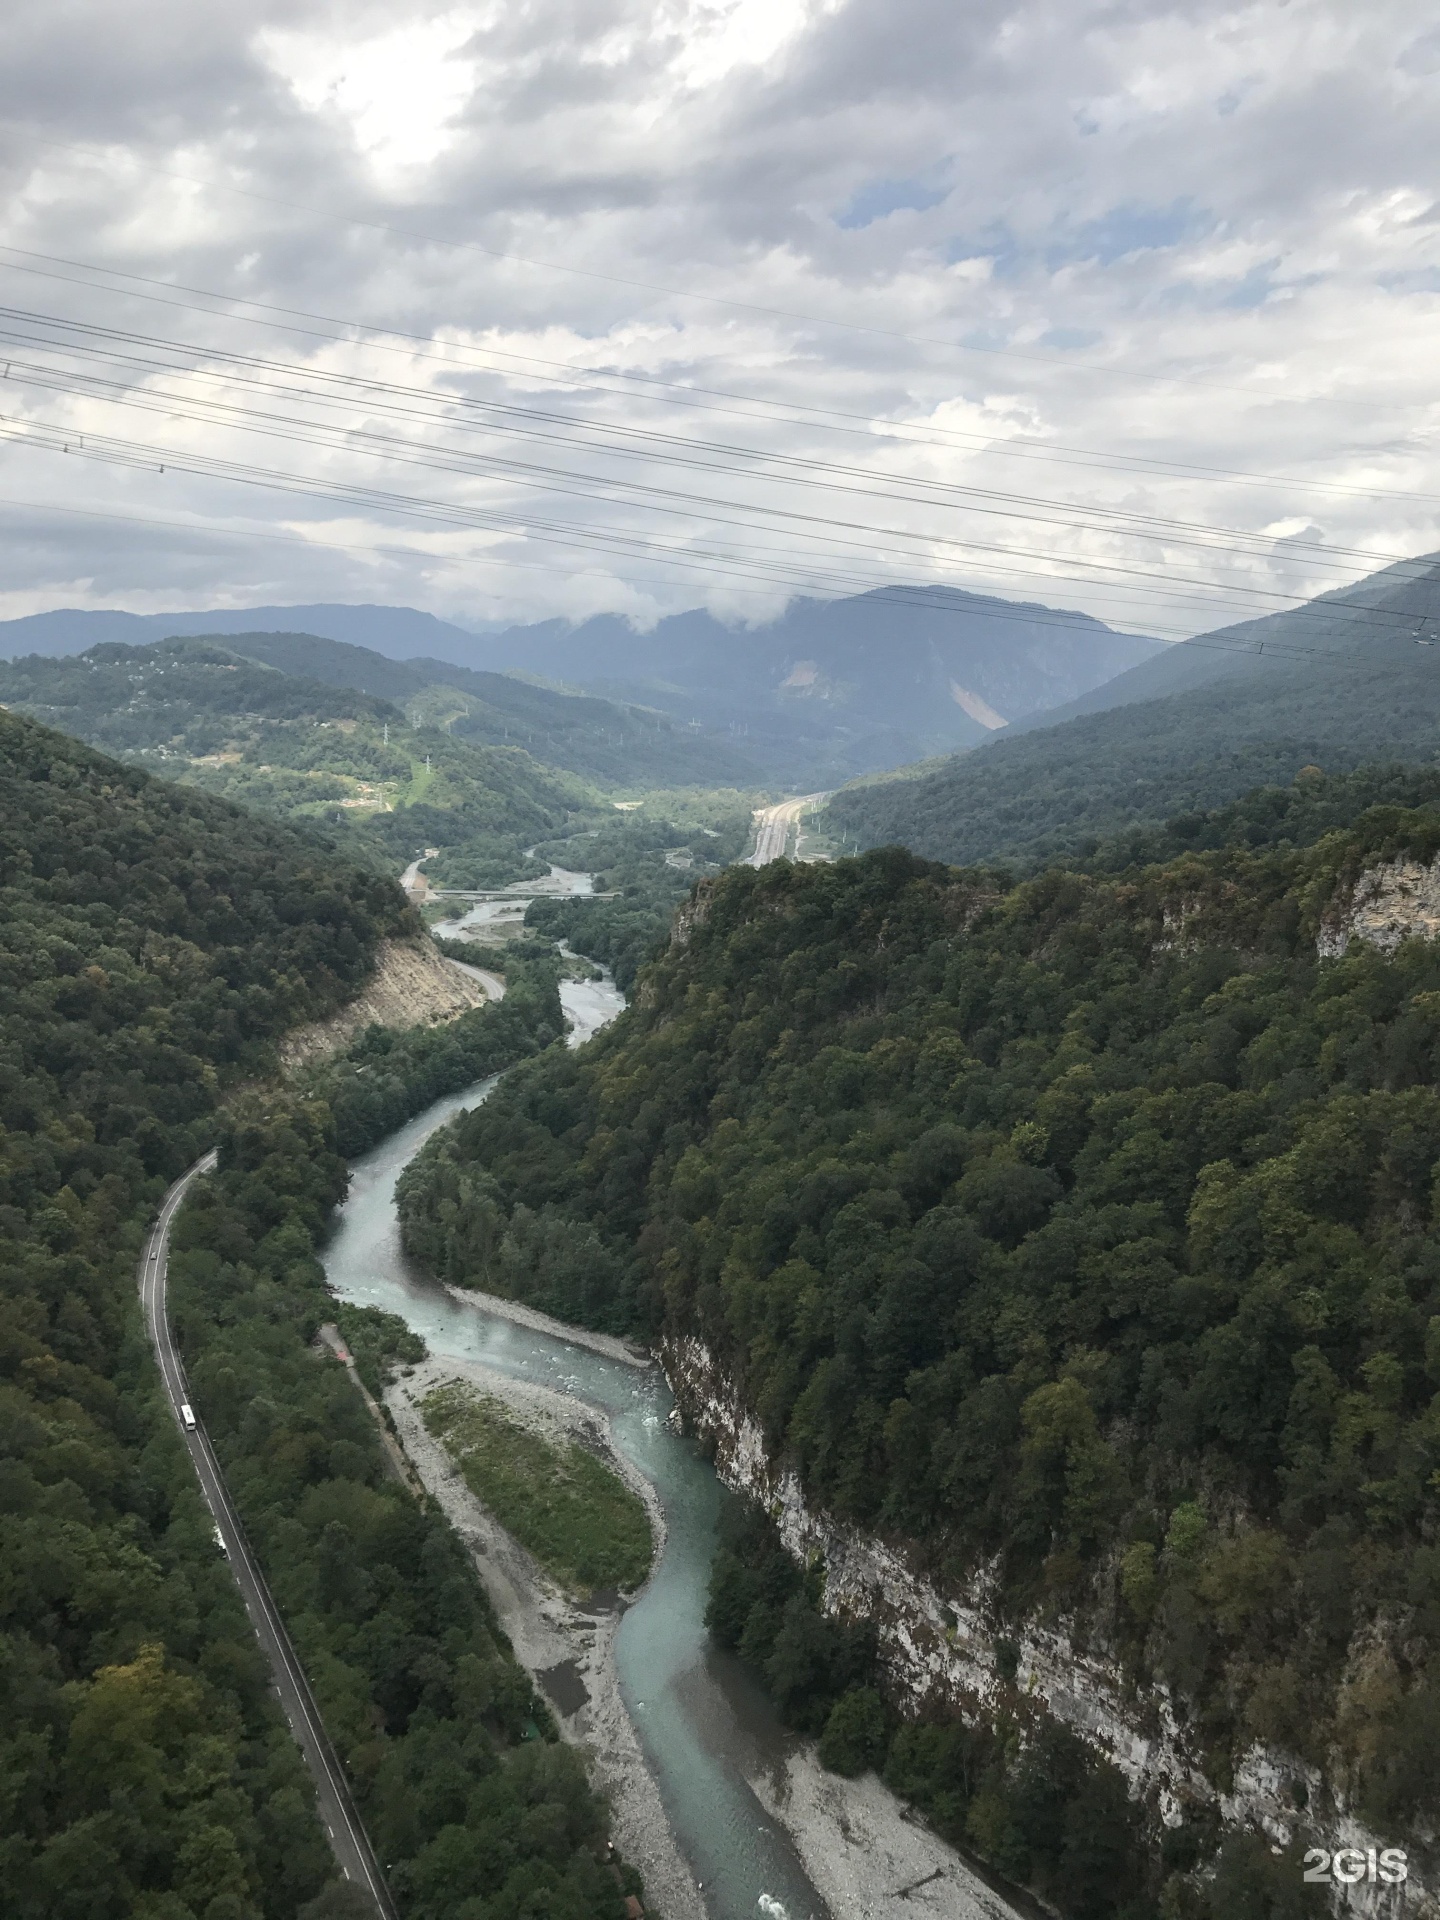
(153, 945)
(1055, 793)
(1083, 1230)
(475, 1809)
(202, 713)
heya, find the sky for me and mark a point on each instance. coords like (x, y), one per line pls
(511, 311)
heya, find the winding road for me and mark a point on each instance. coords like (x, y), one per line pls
(348, 1840)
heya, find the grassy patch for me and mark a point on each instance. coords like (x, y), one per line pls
(578, 1518)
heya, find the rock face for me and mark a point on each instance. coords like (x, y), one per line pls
(1386, 905)
(940, 1649)
(413, 985)
(693, 913)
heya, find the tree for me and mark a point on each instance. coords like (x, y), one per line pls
(855, 1733)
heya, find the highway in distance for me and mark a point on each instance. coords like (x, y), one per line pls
(773, 825)
(348, 1839)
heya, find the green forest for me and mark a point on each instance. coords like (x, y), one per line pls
(386, 1077)
(473, 1805)
(154, 945)
(647, 861)
(1058, 794)
(612, 743)
(344, 761)
(384, 760)
(1083, 1230)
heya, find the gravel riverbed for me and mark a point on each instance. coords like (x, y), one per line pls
(568, 1646)
(864, 1853)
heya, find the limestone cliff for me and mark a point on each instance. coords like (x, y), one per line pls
(1384, 906)
(413, 985)
(939, 1648)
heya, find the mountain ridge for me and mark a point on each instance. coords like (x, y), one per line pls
(1134, 752)
(826, 691)
(1237, 649)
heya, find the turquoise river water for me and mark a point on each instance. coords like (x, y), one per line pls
(702, 1722)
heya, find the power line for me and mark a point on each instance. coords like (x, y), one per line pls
(863, 426)
(131, 454)
(661, 449)
(134, 453)
(600, 488)
(902, 593)
(709, 299)
(652, 445)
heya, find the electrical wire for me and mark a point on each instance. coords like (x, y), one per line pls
(842, 541)
(565, 373)
(1112, 573)
(132, 455)
(711, 299)
(799, 469)
(564, 481)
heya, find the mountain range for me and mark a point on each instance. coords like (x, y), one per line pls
(828, 690)
(1350, 678)
(843, 685)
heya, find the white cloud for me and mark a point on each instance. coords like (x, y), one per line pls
(1199, 241)
(397, 91)
(719, 36)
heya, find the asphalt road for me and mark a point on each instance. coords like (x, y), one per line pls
(491, 982)
(333, 1802)
(773, 825)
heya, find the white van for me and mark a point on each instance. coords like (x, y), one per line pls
(187, 1418)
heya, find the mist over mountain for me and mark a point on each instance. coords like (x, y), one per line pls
(828, 690)
(841, 687)
(1350, 678)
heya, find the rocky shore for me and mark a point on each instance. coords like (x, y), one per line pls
(860, 1848)
(569, 1646)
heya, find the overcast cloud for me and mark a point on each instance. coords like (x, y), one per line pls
(1177, 263)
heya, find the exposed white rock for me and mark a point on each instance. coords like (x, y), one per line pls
(413, 985)
(940, 1648)
(1387, 904)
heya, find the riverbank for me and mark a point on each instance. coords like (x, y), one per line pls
(567, 1646)
(746, 1809)
(609, 1344)
(862, 1849)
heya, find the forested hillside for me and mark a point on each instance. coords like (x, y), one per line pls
(303, 750)
(1080, 1234)
(125, 697)
(154, 944)
(827, 689)
(383, 756)
(1344, 681)
(611, 742)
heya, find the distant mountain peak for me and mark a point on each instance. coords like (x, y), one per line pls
(826, 690)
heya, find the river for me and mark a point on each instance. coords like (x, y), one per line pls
(702, 1722)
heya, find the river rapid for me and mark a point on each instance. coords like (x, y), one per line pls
(703, 1724)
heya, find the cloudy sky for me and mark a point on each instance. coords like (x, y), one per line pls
(524, 309)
